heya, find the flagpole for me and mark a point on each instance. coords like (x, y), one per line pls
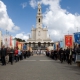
(68, 32)
(6, 39)
(77, 29)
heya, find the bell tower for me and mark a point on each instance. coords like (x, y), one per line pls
(39, 17)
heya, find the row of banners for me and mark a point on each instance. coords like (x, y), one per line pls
(9, 42)
(68, 41)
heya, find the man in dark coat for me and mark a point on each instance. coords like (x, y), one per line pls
(78, 50)
(3, 54)
(67, 54)
(61, 55)
(11, 54)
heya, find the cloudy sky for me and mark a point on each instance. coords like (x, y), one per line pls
(60, 16)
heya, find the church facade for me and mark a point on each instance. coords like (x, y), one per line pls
(39, 39)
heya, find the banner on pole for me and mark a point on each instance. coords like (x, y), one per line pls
(24, 47)
(54, 46)
(68, 40)
(77, 37)
(61, 44)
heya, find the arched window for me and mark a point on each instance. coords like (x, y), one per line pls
(34, 44)
(44, 44)
(29, 43)
(39, 10)
(39, 20)
(39, 44)
(48, 43)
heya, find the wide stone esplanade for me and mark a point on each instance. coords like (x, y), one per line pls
(39, 34)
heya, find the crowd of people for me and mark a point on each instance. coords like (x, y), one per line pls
(10, 55)
(68, 55)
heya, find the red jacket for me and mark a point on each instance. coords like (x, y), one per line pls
(16, 52)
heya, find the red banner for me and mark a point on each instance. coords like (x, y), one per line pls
(17, 43)
(68, 40)
(10, 40)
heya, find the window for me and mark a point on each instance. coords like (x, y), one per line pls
(39, 20)
(39, 10)
(39, 44)
(39, 13)
(34, 44)
(48, 43)
(29, 43)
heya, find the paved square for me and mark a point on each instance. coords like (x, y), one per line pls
(39, 68)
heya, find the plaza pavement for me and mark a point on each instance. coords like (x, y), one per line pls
(39, 68)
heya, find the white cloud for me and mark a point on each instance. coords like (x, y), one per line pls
(6, 23)
(24, 5)
(58, 20)
(33, 3)
(22, 36)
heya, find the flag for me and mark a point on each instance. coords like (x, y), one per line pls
(10, 40)
(77, 37)
(24, 47)
(68, 40)
(16, 43)
(13, 43)
(0, 39)
(61, 44)
(4, 40)
(58, 45)
(54, 46)
(19, 45)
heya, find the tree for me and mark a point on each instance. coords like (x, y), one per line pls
(20, 40)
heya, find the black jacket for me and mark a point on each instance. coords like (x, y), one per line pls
(3, 52)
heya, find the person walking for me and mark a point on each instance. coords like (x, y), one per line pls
(16, 54)
(3, 54)
(70, 57)
(67, 54)
(61, 55)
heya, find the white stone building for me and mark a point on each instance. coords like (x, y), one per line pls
(39, 37)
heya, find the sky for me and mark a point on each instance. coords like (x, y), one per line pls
(62, 17)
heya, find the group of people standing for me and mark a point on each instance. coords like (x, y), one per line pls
(68, 55)
(13, 55)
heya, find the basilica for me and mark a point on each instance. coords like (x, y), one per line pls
(39, 39)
